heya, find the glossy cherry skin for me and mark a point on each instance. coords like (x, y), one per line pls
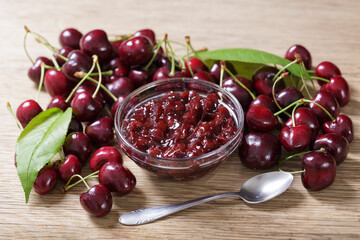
(96, 42)
(335, 145)
(104, 155)
(295, 139)
(302, 51)
(27, 111)
(46, 180)
(116, 104)
(304, 116)
(260, 119)
(59, 102)
(78, 144)
(196, 66)
(161, 73)
(339, 88)
(163, 62)
(119, 68)
(78, 62)
(120, 86)
(326, 100)
(70, 37)
(56, 83)
(215, 71)
(117, 178)
(116, 45)
(34, 72)
(139, 77)
(101, 131)
(75, 126)
(342, 126)
(287, 96)
(203, 76)
(69, 167)
(64, 51)
(90, 88)
(85, 107)
(263, 81)
(326, 70)
(136, 51)
(264, 101)
(260, 150)
(97, 201)
(238, 91)
(147, 33)
(320, 170)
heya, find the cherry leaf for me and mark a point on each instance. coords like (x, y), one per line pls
(38, 143)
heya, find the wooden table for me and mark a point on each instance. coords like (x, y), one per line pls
(329, 29)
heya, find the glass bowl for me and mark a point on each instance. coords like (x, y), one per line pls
(179, 168)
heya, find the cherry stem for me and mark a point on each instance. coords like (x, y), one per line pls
(50, 67)
(240, 83)
(187, 40)
(282, 76)
(320, 78)
(103, 88)
(172, 71)
(100, 79)
(303, 79)
(292, 156)
(293, 114)
(25, 48)
(82, 179)
(188, 43)
(283, 69)
(222, 70)
(42, 74)
(156, 52)
(61, 156)
(122, 37)
(107, 73)
(290, 106)
(294, 172)
(57, 67)
(95, 59)
(14, 116)
(311, 71)
(307, 74)
(326, 111)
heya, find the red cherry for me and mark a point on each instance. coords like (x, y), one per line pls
(139, 77)
(327, 101)
(70, 37)
(304, 116)
(196, 66)
(261, 119)
(161, 73)
(263, 81)
(116, 45)
(34, 72)
(264, 101)
(85, 107)
(147, 33)
(116, 105)
(326, 70)
(79, 144)
(117, 178)
(46, 180)
(64, 51)
(59, 102)
(203, 76)
(27, 111)
(78, 62)
(96, 42)
(136, 51)
(69, 167)
(120, 86)
(97, 201)
(287, 96)
(339, 88)
(56, 83)
(119, 68)
(342, 126)
(90, 88)
(104, 155)
(295, 139)
(320, 170)
(238, 91)
(101, 131)
(335, 145)
(302, 51)
(75, 126)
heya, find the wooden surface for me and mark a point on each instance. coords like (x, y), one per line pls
(329, 29)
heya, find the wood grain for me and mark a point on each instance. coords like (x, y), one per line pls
(329, 29)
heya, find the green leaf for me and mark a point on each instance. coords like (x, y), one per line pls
(249, 56)
(38, 143)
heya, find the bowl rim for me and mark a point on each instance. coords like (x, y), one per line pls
(235, 102)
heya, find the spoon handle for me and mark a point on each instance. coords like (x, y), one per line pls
(146, 215)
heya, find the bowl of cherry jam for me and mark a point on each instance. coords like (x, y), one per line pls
(179, 128)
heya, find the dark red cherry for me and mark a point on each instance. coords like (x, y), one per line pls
(78, 62)
(147, 33)
(90, 88)
(117, 178)
(215, 71)
(326, 70)
(339, 88)
(136, 51)
(27, 111)
(327, 101)
(260, 150)
(320, 170)
(260, 119)
(34, 72)
(46, 180)
(79, 144)
(263, 81)
(139, 77)
(69, 167)
(56, 83)
(161, 73)
(304, 116)
(163, 61)
(116, 45)
(342, 126)
(203, 76)
(264, 101)
(85, 107)
(119, 68)
(104, 155)
(70, 37)
(295, 139)
(120, 86)
(238, 91)
(101, 131)
(116, 105)
(64, 51)
(59, 102)
(302, 51)
(75, 126)
(97, 201)
(287, 96)
(335, 145)
(196, 66)
(96, 42)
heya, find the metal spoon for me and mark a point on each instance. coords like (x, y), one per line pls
(257, 189)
